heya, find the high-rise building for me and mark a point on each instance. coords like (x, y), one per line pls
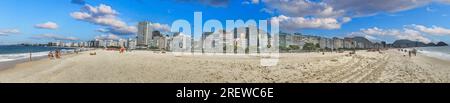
(143, 35)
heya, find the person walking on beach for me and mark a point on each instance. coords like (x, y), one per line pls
(50, 55)
(57, 54)
(409, 53)
(121, 50)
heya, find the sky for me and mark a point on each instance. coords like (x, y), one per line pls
(41, 21)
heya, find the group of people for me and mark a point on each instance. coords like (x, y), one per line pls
(410, 52)
(56, 55)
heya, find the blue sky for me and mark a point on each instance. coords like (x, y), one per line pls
(40, 21)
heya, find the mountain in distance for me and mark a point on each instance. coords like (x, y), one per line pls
(441, 43)
(403, 43)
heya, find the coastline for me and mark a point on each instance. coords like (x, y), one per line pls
(11, 64)
(150, 67)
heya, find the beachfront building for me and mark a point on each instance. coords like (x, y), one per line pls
(59, 43)
(122, 43)
(131, 44)
(311, 39)
(288, 40)
(228, 41)
(52, 44)
(348, 43)
(158, 41)
(383, 44)
(94, 43)
(338, 43)
(325, 43)
(180, 42)
(143, 35)
(363, 43)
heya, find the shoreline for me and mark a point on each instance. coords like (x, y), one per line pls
(11, 64)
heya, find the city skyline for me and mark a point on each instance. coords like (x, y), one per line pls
(82, 20)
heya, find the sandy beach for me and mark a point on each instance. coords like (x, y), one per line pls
(150, 67)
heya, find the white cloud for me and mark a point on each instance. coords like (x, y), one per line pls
(255, 1)
(341, 8)
(108, 37)
(106, 16)
(356, 8)
(346, 19)
(433, 30)
(429, 9)
(47, 25)
(54, 37)
(301, 8)
(410, 32)
(102, 30)
(294, 23)
(160, 27)
(267, 11)
(245, 2)
(251, 2)
(405, 33)
(6, 32)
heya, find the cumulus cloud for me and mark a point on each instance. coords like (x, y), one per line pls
(54, 37)
(300, 8)
(304, 14)
(160, 27)
(294, 23)
(429, 9)
(433, 30)
(104, 15)
(405, 33)
(356, 8)
(346, 19)
(214, 3)
(340, 8)
(267, 11)
(102, 30)
(47, 25)
(6, 32)
(324, 11)
(107, 37)
(251, 2)
(79, 2)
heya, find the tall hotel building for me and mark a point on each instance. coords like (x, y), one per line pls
(143, 34)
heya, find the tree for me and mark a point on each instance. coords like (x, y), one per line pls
(309, 46)
(294, 47)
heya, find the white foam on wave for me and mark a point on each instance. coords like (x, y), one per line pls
(434, 54)
(12, 57)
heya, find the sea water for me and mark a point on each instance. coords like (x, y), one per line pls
(16, 52)
(442, 52)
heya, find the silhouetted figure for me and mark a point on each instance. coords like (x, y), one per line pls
(50, 55)
(409, 53)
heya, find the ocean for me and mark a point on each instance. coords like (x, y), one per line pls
(16, 52)
(442, 52)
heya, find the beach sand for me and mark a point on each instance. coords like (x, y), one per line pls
(150, 67)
